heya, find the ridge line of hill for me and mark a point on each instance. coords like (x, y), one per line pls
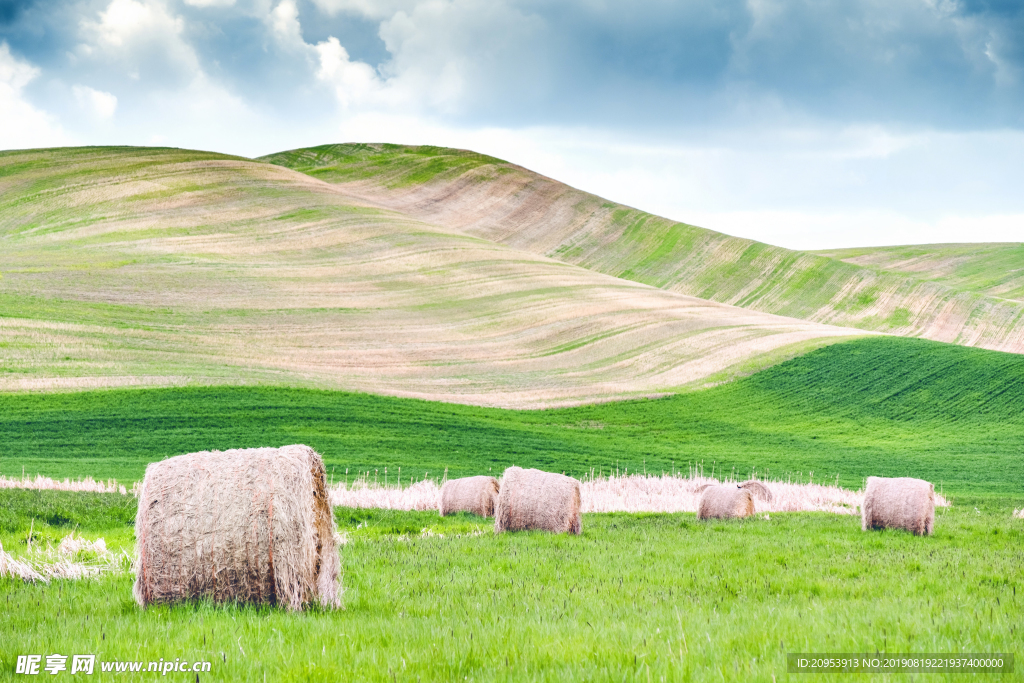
(499, 201)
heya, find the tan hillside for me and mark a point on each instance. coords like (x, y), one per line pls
(135, 266)
(994, 269)
(495, 200)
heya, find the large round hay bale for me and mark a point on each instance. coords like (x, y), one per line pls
(478, 495)
(531, 499)
(758, 489)
(249, 525)
(899, 503)
(725, 501)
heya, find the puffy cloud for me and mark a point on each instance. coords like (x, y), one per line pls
(353, 82)
(21, 124)
(98, 104)
(144, 38)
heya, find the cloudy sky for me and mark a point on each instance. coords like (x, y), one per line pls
(804, 123)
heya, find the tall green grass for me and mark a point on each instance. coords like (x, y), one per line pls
(636, 597)
(882, 406)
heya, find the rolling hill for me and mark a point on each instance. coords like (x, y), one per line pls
(994, 269)
(495, 200)
(165, 267)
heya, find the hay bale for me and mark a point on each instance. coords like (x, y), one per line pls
(531, 499)
(899, 503)
(757, 489)
(725, 502)
(478, 495)
(248, 525)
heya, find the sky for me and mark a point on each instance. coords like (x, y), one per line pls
(810, 124)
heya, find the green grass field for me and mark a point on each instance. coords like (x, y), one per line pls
(658, 597)
(636, 597)
(882, 406)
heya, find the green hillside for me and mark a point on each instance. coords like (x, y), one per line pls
(995, 269)
(499, 201)
(882, 406)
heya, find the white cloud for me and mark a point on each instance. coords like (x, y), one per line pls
(210, 3)
(353, 82)
(284, 22)
(371, 9)
(98, 104)
(21, 124)
(145, 38)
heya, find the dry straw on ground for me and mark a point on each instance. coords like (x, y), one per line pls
(45, 483)
(478, 495)
(899, 503)
(531, 499)
(725, 502)
(249, 525)
(362, 493)
(74, 558)
(632, 493)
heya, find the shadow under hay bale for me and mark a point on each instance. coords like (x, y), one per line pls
(248, 525)
(899, 503)
(758, 489)
(531, 499)
(478, 495)
(726, 501)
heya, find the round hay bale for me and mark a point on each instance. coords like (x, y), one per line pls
(757, 489)
(478, 495)
(725, 501)
(248, 525)
(531, 499)
(899, 503)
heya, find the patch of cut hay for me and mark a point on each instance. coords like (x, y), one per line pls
(631, 493)
(478, 495)
(74, 558)
(45, 483)
(247, 525)
(899, 503)
(726, 501)
(19, 569)
(678, 493)
(532, 499)
(423, 495)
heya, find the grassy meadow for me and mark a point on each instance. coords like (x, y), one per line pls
(657, 597)
(883, 406)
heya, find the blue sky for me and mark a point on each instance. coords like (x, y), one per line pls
(805, 123)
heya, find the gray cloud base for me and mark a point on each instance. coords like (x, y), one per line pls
(523, 62)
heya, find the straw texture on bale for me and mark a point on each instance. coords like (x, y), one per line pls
(248, 525)
(899, 503)
(478, 495)
(757, 489)
(725, 502)
(531, 499)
